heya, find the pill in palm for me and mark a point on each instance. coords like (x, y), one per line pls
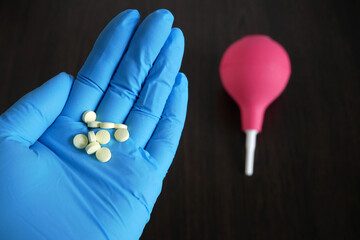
(103, 137)
(122, 134)
(119, 125)
(88, 116)
(107, 125)
(94, 124)
(80, 141)
(92, 147)
(103, 154)
(91, 136)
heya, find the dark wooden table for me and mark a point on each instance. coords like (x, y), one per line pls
(307, 169)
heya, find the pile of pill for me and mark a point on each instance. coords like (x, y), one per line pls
(93, 141)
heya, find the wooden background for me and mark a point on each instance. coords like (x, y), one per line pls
(307, 169)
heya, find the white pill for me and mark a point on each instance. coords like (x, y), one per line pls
(80, 141)
(92, 147)
(88, 116)
(103, 154)
(107, 125)
(122, 135)
(91, 136)
(103, 137)
(119, 125)
(94, 124)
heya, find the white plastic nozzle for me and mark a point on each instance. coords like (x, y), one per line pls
(250, 151)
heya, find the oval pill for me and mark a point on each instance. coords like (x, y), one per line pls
(122, 135)
(80, 141)
(103, 154)
(88, 116)
(91, 136)
(103, 137)
(94, 124)
(119, 125)
(92, 147)
(107, 125)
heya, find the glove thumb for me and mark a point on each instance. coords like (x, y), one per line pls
(30, 116)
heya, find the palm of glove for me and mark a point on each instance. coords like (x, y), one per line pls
(52, 188)
(61, 186)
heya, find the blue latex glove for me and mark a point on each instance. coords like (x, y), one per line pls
(51, 190)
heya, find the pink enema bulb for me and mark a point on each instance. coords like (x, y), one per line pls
(254, 71)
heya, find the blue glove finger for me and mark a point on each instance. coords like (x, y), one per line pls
(164, 142)
(95, 75)
(135, 66)
(29, 117)
(147, 111)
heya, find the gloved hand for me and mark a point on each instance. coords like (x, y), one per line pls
(51, 190)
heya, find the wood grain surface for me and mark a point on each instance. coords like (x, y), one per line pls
(306, 183)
